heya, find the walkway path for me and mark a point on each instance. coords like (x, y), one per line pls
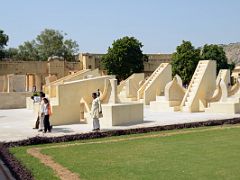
(17, 124)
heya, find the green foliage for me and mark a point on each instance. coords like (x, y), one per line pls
(215, 52)
(47, 44)
(199, 153)
(28, 52)
(34, 165)
(11, 53)
(51, 43)
(3, 43)
(124, 58)
(185, 60)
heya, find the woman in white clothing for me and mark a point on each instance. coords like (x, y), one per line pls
(96, 110)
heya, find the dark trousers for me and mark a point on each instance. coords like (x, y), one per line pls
(37, 123)
(46, 123)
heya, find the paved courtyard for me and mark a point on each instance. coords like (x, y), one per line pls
(17, 124)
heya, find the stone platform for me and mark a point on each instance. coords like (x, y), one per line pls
(17, 124)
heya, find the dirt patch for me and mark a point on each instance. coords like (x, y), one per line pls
(62, 172)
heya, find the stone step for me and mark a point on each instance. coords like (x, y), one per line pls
(163, 107)
(160, 98)
(185, 109)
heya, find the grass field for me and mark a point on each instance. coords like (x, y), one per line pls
(203, 153)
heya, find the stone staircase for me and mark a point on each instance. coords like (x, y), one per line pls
(152, 81)
(193, 92)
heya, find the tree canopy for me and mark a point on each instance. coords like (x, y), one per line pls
(48, 43)
(3, 43)
(185, 60)
(215, 52)
(124, 58)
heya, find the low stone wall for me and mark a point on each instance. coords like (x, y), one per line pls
(14, 100)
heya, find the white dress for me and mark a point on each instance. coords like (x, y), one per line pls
(41, 110)
(95, 111)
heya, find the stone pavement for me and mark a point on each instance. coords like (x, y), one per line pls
(17, 124)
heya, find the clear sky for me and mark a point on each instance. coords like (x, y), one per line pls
(160, 25)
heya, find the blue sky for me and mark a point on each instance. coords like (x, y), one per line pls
(160, 25)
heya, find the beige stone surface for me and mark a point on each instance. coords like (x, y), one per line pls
(17, 124)
(229, 101)
(155, 84)
(66, 107)
(171, 100)
(224, 75)
(127, 89)
(92, 61)
(201, 87)
(51, 88)
(229, 107)
(122, 114)
(16, 83)
(13, 100)
(36, 71)
(4, 83)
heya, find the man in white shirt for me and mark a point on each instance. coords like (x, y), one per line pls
(96, 110)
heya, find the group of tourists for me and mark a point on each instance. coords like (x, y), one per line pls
(43, 123)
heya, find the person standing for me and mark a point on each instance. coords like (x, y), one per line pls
(46, 114)
(39, 122)
(96, 110)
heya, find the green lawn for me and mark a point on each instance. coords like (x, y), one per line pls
(211, 154)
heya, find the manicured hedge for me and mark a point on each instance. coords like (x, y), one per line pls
(20, 172)
(16, 168)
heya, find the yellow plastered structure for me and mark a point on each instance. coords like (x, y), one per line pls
(173, 95)
(73, 103)
(155, 84)
(201, 87)
(227, 103)
(50, 89)
(13, 100)
(116, 113)
(66, 106)
(224, 75)
(127, 89)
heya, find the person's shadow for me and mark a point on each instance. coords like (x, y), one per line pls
(61, 130)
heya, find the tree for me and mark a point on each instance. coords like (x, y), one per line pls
(47, 44)
(11, 53)
(51, 43)
(124, 58)
(215, 52)
(28, 52)
(185, 60)
(3, 43)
